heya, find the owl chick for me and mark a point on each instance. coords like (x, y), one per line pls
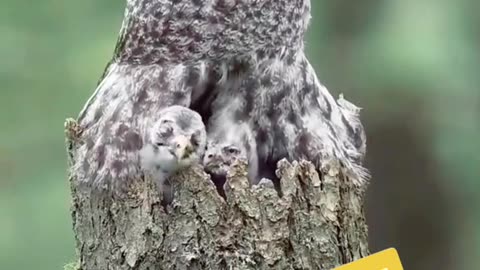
(226, 143)
(220, 156)
(176, 141)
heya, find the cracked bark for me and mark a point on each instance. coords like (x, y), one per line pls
(318, 223)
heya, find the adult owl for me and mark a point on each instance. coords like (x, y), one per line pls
(176, 52)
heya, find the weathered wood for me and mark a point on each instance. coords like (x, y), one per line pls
(318, 223)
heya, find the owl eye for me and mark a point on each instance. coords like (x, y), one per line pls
(194, 141)
(166, 121)
(233, 150)
(165, 131)
(159, 144)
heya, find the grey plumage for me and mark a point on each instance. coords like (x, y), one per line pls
(188, 31)
(174, 53)
(191, 53)
(291, 115)
(118, 117)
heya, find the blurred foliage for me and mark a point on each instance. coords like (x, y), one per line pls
(412, 65)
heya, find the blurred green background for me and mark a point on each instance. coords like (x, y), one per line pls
(414, 66)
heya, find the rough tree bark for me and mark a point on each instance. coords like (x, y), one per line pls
(317, 223)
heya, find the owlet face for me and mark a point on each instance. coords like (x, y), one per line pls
(179, 133)
(219, 157)
(167, 134)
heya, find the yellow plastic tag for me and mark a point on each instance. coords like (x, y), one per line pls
(384, 260)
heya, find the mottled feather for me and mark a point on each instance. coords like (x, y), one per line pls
(291, 115)
(191, 53)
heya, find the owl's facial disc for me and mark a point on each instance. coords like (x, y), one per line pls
(181, 147)
(219, 159)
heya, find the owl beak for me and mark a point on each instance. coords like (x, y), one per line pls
(181, 148)
(172, 151)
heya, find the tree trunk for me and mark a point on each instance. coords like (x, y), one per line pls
(317, 223)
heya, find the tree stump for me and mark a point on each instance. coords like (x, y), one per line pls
(317, 223)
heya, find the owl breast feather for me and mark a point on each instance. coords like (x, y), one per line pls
(158, 31)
